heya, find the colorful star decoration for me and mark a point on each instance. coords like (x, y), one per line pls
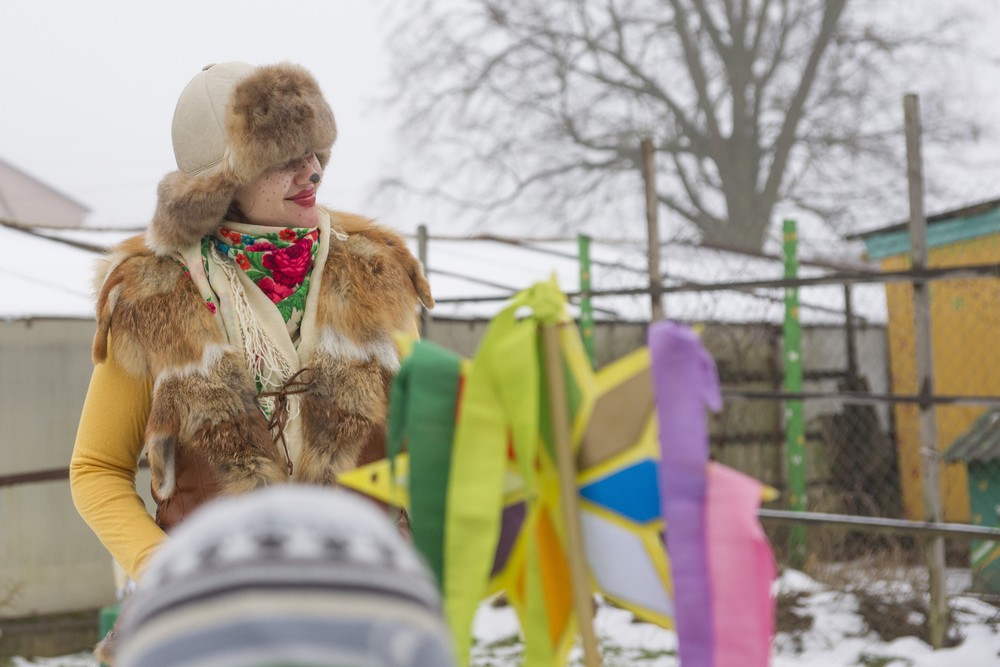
(477, 449)
(614, 436)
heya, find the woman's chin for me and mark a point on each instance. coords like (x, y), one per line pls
(311, 218)
(304, 217)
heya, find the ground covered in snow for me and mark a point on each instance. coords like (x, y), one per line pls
(877, 626)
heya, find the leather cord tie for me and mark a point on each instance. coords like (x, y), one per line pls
(297, 383)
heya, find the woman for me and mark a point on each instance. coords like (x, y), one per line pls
(247, 338)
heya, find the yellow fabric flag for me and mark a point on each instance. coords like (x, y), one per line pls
(499, 405)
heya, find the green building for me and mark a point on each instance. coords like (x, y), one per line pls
(979, 449)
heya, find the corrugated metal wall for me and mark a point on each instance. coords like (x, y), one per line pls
(48, 556)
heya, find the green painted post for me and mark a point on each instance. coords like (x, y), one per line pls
(586, 307)
(795, 441)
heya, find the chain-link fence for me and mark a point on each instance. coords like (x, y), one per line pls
(860, 403)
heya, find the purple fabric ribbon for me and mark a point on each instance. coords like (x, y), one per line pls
(685, 383)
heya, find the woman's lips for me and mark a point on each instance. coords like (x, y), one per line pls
(305, 199)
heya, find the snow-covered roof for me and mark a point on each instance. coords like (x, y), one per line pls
(26, 198)
(45, 278)
(48, 274)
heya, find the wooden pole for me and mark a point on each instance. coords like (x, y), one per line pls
(425, 315)
(853, 376)
(586, 304)
(652, 229)
(929, 454)
(559, 414)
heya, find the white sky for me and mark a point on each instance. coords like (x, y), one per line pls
(87, 89)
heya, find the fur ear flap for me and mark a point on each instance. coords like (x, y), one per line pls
(188, 208)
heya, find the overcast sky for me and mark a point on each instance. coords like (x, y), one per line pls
(87, 89)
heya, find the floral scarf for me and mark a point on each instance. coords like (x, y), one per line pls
(279, 261)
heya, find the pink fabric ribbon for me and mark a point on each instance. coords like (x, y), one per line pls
(721, 562)
(742, 570)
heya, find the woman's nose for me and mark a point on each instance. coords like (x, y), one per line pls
(308, 170)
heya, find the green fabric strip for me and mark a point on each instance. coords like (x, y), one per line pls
(422, 413)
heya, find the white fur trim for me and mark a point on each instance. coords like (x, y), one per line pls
(113, 295)
(337, 345)
(209, 357)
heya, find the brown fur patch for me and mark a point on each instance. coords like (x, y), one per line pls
(203, 394)
(141, 301)
(364, 276)
(204, 399)
(346, 401)
(106, 288)
(350, 223)
(372, 285)
(274, 115)
(188, 208)
(215, 410)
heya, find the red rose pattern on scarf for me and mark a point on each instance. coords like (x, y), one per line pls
(279, 262)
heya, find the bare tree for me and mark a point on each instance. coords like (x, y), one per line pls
(540, 105)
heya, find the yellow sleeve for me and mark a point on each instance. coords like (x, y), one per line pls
(104, 464)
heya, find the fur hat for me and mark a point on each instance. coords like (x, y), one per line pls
(233, 122)
(289, 575)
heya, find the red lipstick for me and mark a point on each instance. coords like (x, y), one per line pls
(305, 198)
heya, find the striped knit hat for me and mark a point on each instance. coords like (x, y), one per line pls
(290, 576)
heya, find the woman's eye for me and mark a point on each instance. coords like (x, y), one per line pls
(295, 163)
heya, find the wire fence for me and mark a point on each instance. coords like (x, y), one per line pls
(860, 403)
(859, 395)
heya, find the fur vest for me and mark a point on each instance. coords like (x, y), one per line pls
(206, 429)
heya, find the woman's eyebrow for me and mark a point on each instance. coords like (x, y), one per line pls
(295, 160)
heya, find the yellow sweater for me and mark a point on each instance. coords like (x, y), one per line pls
(105, 461)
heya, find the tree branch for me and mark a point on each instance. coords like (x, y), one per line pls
(786, 139)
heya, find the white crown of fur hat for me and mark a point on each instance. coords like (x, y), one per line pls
(232, 123)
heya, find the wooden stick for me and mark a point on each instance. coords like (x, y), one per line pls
(425, 315)
(559, 414)
(652, 229)
(937, 611)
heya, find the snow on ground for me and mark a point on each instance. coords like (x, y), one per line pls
(837, 636)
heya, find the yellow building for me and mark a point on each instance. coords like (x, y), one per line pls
(965, 336)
